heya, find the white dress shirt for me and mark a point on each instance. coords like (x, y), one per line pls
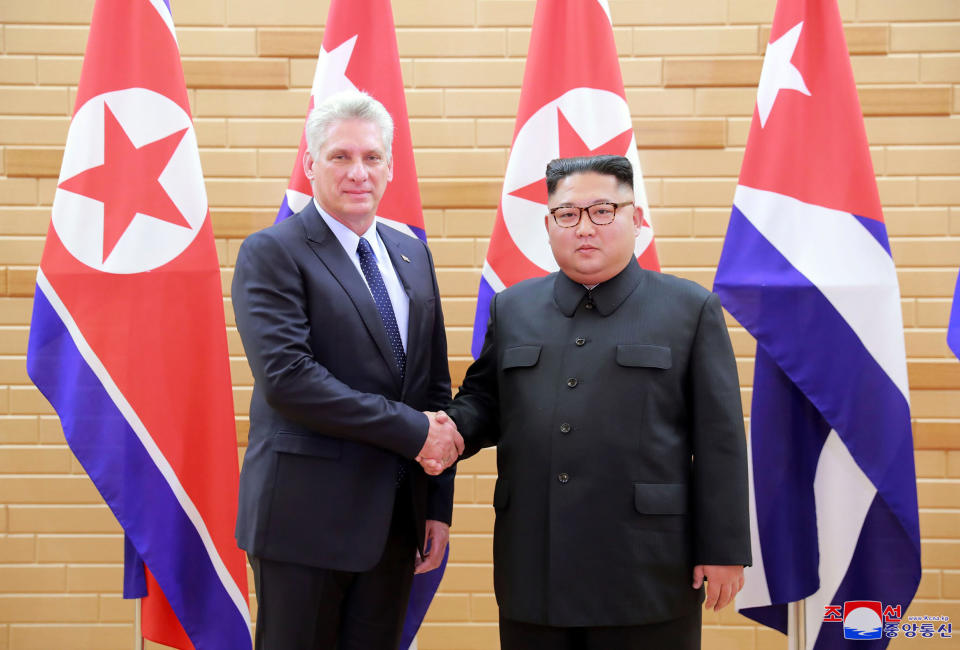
(349, 240)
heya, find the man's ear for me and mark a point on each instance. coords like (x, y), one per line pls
(308, 165)
(637, 218)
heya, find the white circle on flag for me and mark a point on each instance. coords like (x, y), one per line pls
(147, 243)
(597, 116)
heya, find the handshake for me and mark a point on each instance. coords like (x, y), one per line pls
(443, 446)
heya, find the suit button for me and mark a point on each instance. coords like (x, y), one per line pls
(563, 477)
(565, 428)
(588, 305)
(572, 382)
(581, 340)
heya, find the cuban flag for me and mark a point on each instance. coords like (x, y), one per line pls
(128, 341)
(572, 103)
(953, 327)
(359, 52)
(806, 269)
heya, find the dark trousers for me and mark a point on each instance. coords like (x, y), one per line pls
(307, 608)
(676, 634)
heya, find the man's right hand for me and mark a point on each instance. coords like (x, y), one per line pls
(443, 446)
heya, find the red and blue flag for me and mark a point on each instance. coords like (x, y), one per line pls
(806, 269)
(572, 103)
(127, 339)
(953, 327)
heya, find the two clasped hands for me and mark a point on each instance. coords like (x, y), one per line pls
(443, 446)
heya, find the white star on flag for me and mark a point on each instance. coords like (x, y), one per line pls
(778, 73)
(331, 74)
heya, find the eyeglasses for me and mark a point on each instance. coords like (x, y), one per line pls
(600, 214)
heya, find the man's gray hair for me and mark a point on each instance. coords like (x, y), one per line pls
(347, 105)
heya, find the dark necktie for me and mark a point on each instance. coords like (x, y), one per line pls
(368, 262)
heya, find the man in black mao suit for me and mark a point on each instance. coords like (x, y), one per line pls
(341, 323)
(611, 394)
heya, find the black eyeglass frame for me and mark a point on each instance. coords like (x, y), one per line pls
(616, 206)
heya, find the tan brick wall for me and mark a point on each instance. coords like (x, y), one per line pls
(690, 69)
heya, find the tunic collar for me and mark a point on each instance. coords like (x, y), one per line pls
(606, 296)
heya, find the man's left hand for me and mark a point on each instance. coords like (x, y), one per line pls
(723, 583)
(436, 538)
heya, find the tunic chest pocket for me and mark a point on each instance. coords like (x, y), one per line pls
(521, 356)
(644, 356)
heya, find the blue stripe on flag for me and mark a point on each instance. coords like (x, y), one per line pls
(419, 232)
(880, 569)
(878, 229)
(953, 328)
(775, 616)
(284, 210)
(132, 485)
(134, 578)
(485, 294)
(786, 506)
(831, 365)
(421, 594)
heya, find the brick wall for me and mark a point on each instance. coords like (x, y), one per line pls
(690, 69)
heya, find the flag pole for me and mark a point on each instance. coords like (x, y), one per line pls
(137, 637)
(796, 625)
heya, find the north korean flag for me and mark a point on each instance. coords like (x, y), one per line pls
(128, 341)
(572, 103)
(806, 269)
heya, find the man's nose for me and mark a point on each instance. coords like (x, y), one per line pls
(357, 171)
(585, 227)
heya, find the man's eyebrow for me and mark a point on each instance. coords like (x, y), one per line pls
(568, 204)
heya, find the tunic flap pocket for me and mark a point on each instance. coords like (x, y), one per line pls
(660, 498)
(307, 444)
(501, 494)
(521, 356)
(644, 356)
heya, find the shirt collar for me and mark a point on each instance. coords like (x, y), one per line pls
(606, 296)
(347, 238)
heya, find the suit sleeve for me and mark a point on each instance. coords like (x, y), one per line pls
(269, 300)
(439, 488)
(719, 445)
(476, 408)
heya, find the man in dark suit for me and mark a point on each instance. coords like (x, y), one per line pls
(341, 323)
(611, 394)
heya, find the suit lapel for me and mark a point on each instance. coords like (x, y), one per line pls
(328, 249)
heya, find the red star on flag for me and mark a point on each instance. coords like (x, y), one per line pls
(128, 181)
(571, 144)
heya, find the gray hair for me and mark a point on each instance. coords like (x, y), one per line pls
(347, 105)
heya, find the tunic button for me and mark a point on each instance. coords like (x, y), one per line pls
(563, 477)
(572, 382)
(581, 340)
(588, 305)
(565, 428)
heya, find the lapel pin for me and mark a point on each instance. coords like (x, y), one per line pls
(404, 257)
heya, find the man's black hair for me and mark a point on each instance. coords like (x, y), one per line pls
(616, 166)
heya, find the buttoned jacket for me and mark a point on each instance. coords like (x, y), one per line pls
(621, 456)
(330, 417)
